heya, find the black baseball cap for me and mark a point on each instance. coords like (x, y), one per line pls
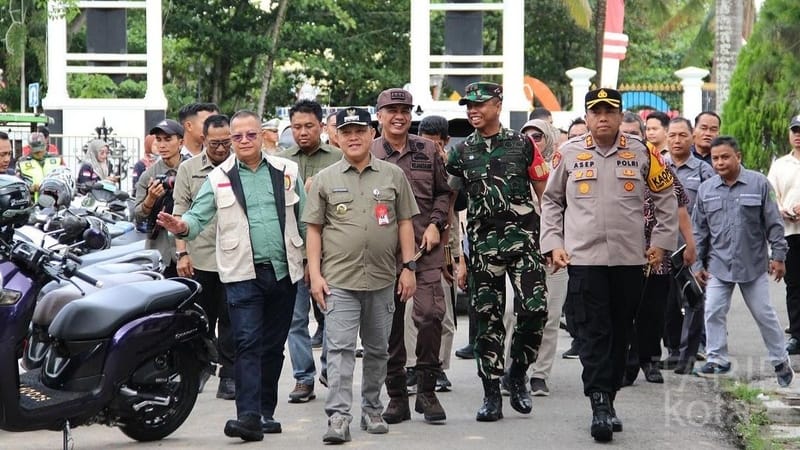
(352, 116)
(795, 123)
(169, 127)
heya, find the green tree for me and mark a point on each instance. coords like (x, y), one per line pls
(763, 94)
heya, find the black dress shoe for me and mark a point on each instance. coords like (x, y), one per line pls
(651, 373)
(466, 352)
(226, 389)
(247, 429)
(270, 426)
(793, 346)
(684, 367)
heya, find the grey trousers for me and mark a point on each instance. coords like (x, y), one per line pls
(348, 314)
(448, 331)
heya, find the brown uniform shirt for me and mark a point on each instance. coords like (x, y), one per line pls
(424, 169)
(593, 204)
(359, 213)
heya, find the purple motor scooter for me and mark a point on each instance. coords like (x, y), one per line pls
(134, 362)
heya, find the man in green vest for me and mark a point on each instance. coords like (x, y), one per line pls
(35, 167)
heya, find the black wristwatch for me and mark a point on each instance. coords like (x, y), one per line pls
(410, 265)
(440, 225)
(179, 255)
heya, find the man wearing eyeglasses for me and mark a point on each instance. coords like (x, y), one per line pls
(257, 199)
(196, 259)
(311, 156)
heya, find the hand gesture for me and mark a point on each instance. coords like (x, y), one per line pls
(172, 224)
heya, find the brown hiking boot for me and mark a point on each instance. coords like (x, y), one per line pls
(397, 410)
(427, 403)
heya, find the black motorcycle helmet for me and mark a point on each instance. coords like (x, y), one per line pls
(59, 193)
(15, 201)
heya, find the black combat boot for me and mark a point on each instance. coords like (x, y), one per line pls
(602, 429)
(518, 388)
(492, 408)
(427, 403)
(616, 423)
(397, 410)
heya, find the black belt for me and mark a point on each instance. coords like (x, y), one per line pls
(263, 265)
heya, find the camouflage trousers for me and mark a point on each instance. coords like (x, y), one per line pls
(496, 250)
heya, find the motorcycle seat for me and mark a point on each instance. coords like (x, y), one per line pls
(100, 314)
(97, 271)
(112, 253)
(52, 302)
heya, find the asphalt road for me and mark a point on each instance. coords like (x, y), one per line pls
(685, 412)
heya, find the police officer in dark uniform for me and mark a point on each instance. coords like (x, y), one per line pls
(498, 166)
(592, 222)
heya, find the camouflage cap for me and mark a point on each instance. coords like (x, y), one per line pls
(480, 92)
(610, 97)
(37, 141)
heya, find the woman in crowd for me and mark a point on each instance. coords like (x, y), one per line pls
(96, 167)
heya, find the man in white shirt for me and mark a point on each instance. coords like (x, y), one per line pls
(784, 175)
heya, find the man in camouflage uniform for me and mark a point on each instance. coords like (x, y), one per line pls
(497, 166)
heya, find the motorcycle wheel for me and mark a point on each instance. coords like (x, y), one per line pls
(154, 422)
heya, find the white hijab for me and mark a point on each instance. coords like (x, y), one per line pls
(92, 152)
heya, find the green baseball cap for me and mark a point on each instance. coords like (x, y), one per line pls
(480, 92)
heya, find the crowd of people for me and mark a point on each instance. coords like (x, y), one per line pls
(365, 232)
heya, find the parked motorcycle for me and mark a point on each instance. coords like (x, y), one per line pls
(128, 356)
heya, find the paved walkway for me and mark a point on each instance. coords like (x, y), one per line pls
(685, 412)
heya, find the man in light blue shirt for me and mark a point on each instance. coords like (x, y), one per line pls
(734, 218)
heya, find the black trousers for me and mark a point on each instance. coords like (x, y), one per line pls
(649, 321)
(214, 302)
(673, 319)
(604, 301)
(693, 332)
(792, 280)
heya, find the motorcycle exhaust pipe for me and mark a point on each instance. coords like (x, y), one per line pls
(147, 399)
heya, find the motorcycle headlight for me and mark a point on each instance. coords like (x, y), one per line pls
(9, 297)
